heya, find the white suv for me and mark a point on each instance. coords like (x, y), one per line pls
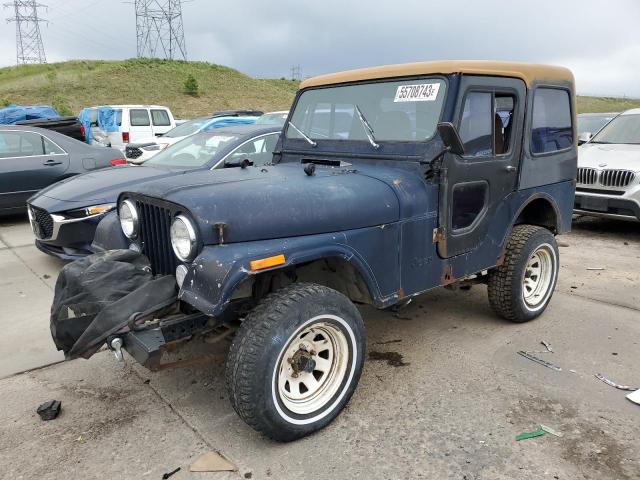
(608, 180)
(118, 125)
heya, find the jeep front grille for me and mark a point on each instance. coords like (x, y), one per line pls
(587, 176)
(616, 178)
(154, 226)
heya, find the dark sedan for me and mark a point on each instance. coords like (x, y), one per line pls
(32, 158)
(64, 216)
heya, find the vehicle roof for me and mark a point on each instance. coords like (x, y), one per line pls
(245, 129)
(132, 106)
(598, 114)
(279, 112)
(633, 111)
(528, 72)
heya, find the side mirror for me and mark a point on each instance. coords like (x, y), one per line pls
(238, 162)
(584, 137)
(451, 138)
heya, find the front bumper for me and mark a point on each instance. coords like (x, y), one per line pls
(606, 206)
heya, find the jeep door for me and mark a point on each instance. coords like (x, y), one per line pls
(490, 115)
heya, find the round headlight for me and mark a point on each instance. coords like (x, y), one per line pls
(128, 218)
(183, 238)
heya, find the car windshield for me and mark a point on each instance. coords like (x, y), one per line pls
(194, 151)
(277, 118)
(592, 123)
(622, 129)
(406, 110)
(187, 128)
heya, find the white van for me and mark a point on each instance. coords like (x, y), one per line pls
(117, 125)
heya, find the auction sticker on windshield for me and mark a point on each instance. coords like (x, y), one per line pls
(424, 92)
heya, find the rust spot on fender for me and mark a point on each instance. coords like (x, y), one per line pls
(447, 275)
(401, 293)
(397, 181)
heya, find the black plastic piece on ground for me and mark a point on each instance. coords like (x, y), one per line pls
(168, 474)
(49, 410)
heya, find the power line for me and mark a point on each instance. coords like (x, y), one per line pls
(29, 46)
(159, 30)
(295, 72)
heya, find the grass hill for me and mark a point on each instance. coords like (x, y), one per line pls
(70, 86)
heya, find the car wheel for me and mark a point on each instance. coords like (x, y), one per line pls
(520, 289)
(296, 361)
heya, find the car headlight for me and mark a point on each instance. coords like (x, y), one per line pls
(128, 219)
(183, 238)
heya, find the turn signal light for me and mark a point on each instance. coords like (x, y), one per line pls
(267, 262)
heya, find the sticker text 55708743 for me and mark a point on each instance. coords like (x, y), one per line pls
(424, 92)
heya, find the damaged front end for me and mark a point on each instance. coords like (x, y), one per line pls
(113, 297)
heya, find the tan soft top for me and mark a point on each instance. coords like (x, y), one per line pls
(528, 72)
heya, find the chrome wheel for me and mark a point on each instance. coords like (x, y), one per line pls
(312, 366)
(539, 275)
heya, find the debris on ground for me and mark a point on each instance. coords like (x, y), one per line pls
(544, 363)
(169, 474)
(392, 358)
(615, 385)
(562, 244)
(386, 342)
(595, 268)
(49, 410)
(634, 397)
(551, 430)
(526, 435)
(212, 462)
(547, 345)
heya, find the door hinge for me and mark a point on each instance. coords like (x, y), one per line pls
(438, 235)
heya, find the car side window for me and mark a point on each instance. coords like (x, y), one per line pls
(139, 117)
(551, 127)
(51, 148)
(160, 118)
(476, 126)
(259, 151)
(20, 144)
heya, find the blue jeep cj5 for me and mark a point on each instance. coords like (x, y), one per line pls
(386, 182)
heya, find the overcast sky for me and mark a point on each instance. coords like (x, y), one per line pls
(598, 40)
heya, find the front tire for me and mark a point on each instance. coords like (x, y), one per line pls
(296, 361)
(521, 288)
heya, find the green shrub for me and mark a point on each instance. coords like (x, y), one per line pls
(51, 76)
(61, 105)
(4, 102)
(191, 86)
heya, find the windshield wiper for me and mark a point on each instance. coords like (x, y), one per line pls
(367, 128)
(311, 142)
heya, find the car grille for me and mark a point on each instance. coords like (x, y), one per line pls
(42, 223)
(132, 152)
(587, 176)
(155, 222)
(616, 178)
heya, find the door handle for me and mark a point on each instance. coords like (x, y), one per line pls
(51, 163)
(510, 168)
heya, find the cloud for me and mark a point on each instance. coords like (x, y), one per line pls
(265, 39)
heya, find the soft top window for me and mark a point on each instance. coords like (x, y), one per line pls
(551, 129)
(406, 110)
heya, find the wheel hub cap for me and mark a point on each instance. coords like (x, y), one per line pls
(538, 277)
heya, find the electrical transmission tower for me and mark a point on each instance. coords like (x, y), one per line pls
(159, 29)
(28, 39)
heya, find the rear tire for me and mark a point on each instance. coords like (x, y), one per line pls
(521, 288)
(296, 361)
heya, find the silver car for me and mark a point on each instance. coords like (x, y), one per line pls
(608, 180)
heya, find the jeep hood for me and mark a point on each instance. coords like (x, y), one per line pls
(102, 186)
(260, 203)
(609, 156)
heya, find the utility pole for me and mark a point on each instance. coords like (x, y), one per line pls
(295, 72)
(29, 46)
(159, 30)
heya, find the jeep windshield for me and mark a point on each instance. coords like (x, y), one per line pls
(194, 151)
(397, 111)
(622, 129)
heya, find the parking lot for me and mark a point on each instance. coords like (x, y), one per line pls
(443, 393)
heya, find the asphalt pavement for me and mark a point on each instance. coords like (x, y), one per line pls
(443, 393)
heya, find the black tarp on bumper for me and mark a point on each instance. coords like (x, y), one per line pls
(104, 294)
